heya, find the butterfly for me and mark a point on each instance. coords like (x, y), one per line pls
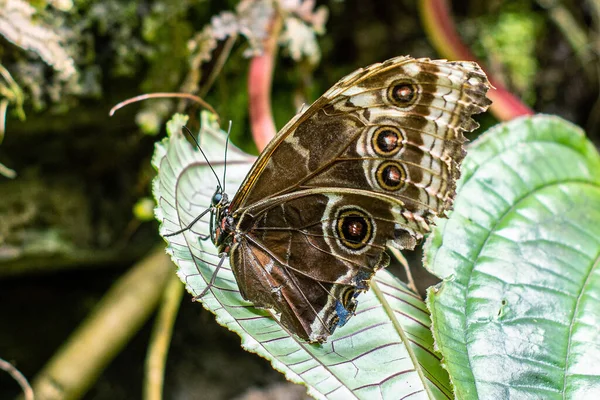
(368, 165)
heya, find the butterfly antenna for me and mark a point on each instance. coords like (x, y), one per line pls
(201, 151)
(225, 161)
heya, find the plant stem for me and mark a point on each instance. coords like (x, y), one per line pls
(161, 339)
(260, 79)
(117, 318)
(19, 377)
(402, 260)
(575, 34)
(442, 33)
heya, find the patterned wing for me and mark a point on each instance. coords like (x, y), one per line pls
(310, 256)
(394, 128)
(368, 165)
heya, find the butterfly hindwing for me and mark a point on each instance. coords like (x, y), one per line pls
(307, 308)
(312, 253)
(310, 256)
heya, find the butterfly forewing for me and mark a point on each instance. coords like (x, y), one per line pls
(368, 165)
(342, 126)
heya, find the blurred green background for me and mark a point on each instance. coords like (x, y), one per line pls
(76, 216)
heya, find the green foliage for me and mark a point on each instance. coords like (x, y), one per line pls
(175, 123)
(508, 40)
(515, 315)
(385, 350)
(518, 311)
(143, 209)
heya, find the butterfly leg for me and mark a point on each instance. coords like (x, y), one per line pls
(202, 214)
(212, 278)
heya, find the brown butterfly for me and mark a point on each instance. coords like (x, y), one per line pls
(368, 165)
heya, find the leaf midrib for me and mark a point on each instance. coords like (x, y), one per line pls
(390, 313)
(493, 228)
(573, 316)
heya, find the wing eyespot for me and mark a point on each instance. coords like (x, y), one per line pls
(403, 93)
(387, 140)
(354, 228)
(391, 175)
(349, 299)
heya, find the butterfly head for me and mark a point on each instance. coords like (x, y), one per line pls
(218, 198)
(223, 222)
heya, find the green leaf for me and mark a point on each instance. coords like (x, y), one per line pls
(518, 311)
(385, 351)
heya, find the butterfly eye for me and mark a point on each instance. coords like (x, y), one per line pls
(217, 197)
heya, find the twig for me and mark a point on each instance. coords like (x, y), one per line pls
(3, 110)
(442, 33)
(218, 65)
(159, 95)
(7, 172)
(19, 377)
(4, 170)
(575, 35)
(595, 10)
(161, 339)
(13, 92)
(119, 315)
(411, 282)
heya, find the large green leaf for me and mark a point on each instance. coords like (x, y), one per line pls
(518, 312)
(385, 351)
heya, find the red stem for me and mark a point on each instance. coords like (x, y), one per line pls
(260, 78)
(442, 32)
